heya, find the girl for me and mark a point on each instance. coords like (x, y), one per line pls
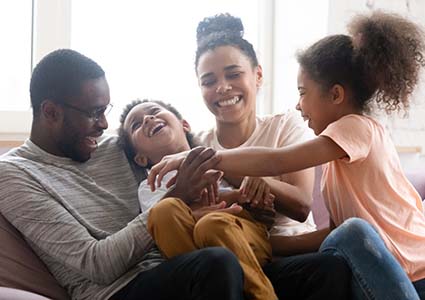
(339, 78)
(229, 77)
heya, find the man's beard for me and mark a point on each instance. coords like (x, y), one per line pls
(70, 142)
(70, 150)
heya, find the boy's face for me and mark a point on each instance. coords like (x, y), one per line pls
(155, 132)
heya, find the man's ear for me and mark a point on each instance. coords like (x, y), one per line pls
(186, 126)
(141, 160)
(337, 94)
(51, 111)
(259, 76)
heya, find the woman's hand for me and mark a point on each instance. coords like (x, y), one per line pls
(256, 191)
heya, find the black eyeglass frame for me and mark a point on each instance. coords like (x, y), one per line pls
(93, 115)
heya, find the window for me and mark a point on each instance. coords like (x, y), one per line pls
(15, 54)
(147, 48)
(298, 24)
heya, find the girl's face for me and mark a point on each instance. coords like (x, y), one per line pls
(229, 83)
(316, 106)
(155, 132)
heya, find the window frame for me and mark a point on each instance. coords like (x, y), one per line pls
(51, 29)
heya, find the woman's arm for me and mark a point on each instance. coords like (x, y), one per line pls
(305, 243)
(262, 161)
(293, 194)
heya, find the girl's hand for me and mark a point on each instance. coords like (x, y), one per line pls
(256, 191)
(206, 156)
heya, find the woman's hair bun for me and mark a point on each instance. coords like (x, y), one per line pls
(219, 24)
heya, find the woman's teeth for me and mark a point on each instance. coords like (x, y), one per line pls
(229, 102)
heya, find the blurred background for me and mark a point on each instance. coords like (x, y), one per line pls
(147, 50)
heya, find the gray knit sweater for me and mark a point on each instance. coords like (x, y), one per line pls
(82, 219)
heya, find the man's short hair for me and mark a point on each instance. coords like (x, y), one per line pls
(59, 76)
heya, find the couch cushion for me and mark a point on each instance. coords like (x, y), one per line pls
(20, 268)
(417, 178)
(320, 212)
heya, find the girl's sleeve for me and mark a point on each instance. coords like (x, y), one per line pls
(353, 134)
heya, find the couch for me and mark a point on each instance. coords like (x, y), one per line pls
(24, 276)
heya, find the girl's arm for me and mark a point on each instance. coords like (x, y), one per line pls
(304, 243)
(261, 161)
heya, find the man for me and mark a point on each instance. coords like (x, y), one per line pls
(74, 199)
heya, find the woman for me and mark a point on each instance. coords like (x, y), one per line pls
(229, 77)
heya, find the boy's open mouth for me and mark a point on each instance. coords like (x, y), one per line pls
(155, 129)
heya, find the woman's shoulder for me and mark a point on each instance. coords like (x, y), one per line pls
(287, 117)
(283, 122)
(285, 128)
(205, 137)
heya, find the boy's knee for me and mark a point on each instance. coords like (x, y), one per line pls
(211, 225)
(167, 206)
(164, 212)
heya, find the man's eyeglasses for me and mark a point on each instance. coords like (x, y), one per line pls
(95, 114)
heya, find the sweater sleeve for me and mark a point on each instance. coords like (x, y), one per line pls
(54, 232)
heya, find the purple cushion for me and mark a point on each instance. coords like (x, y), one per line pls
(320, 212)
(417, 178)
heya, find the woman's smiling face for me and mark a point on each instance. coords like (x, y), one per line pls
(229, 83)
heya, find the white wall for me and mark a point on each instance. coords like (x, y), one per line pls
(408, 133)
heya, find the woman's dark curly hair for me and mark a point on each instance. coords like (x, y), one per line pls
(223, 30)
(123, 138)
(380, 61)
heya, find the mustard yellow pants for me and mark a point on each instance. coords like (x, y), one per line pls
(175, 232)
